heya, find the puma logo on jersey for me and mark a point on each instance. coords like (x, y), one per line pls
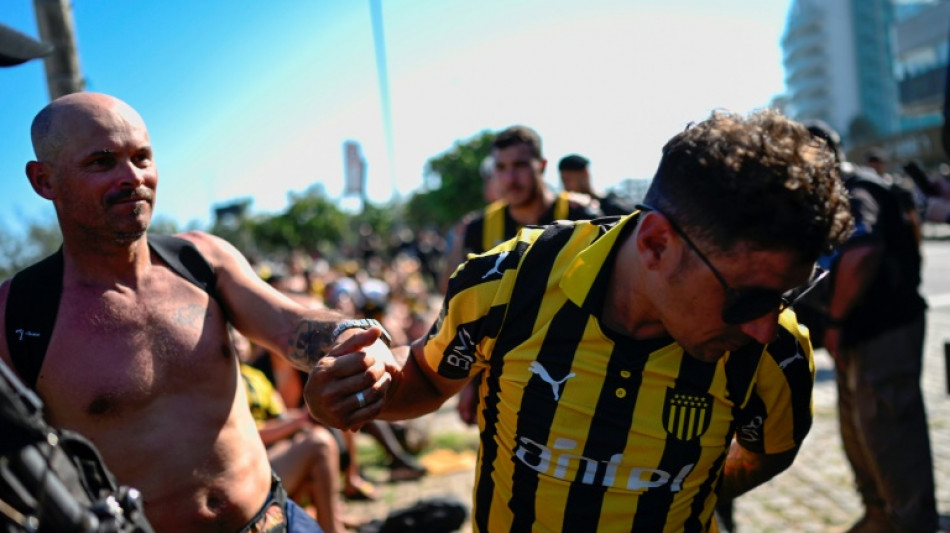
(790, 360)
(498, 262)
(24, 333)
(542, 373)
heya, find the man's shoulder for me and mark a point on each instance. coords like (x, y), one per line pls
(490, 264)
(791, 344)
(563, 239)
(475, 218)
(472, 217)
(213, 249)
(199, 239)
(612, 204)
(580, 206)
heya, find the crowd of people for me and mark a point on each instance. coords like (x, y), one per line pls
(629, 367)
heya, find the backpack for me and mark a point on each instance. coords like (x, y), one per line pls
(893, 286)
(440, 514)
(53, 479)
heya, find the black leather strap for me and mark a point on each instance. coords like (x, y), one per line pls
(35, 293)
(32, 306)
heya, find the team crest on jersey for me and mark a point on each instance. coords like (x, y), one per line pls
(686, 414)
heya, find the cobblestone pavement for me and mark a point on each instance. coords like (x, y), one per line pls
(815, 494)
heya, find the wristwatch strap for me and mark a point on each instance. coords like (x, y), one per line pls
(361, 323)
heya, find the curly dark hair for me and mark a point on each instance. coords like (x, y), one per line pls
(761, 180)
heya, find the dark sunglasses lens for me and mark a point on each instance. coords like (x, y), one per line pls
(749, 305)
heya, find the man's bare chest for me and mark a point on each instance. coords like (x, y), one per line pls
(120, 350)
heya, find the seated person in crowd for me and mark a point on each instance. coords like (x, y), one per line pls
(302, 452)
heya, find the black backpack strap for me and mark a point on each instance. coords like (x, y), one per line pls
(32, 305)
(35, 292)
(184, 258)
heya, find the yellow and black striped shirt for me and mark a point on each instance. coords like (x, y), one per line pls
(263, 399)
(584, 429)
(494, 224)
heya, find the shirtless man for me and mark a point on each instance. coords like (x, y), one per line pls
(140, 360)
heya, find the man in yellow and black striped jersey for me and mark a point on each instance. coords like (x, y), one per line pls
(517, 173)
(518, 166)
(635, 368)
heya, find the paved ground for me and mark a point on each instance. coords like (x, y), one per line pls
(815, 494)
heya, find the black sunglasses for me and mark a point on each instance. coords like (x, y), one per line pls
(746, 305)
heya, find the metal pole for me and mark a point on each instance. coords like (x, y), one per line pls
(54, 18)
(946, 361)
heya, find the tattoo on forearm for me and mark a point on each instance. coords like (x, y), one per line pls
(309, 342)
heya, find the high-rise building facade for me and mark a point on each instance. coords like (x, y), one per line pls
(839, 66)
(921, 52)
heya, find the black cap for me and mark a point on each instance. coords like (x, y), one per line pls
(876, 153)
(821, 129)
(16, 48)
(573, 162)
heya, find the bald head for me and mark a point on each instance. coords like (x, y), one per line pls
(57, 122)
(94, 162)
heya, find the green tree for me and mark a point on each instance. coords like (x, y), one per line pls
(381, 218)
(311, 223)
(454, 184)
(163, 225)
(16, 253)
(232, 224)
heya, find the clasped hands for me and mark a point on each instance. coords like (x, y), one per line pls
(348, 386)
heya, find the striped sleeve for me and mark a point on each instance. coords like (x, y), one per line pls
(460, 342)
(778, 415)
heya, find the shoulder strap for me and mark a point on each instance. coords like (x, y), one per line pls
(493, 225)
(184, 258)
(35, 292)
(562, 206)
(32, 305)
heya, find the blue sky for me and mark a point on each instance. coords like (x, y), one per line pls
(255, 98)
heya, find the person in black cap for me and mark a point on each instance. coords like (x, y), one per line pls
(575, 177)
(874, 327)
(17, 48)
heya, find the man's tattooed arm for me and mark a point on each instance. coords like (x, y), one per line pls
(309, 342)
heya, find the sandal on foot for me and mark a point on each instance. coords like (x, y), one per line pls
(361, 491)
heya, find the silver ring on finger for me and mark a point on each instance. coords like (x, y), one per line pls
(361, 399)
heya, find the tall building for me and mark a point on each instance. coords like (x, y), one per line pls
(920, 66)
(839, 66)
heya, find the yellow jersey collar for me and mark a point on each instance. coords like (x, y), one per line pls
(580, 275)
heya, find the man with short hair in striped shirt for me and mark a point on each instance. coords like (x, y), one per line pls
(517, 170)
(635, 368)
